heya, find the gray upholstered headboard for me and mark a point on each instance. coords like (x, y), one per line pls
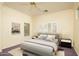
(56, 35)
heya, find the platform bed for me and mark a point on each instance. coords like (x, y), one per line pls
(39, 47)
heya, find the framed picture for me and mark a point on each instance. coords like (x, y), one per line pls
(26, 29)
(15, 28)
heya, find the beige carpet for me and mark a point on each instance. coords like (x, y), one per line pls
(18, 52)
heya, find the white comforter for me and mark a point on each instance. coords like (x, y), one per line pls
(40, 46)
(44, 42)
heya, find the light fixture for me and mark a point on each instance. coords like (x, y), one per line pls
(45, 10)
(33, 4)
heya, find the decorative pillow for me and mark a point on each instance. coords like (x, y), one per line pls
(51, 37)
(41, 36)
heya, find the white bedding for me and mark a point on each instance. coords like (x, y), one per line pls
(39, 46)
(43, 42)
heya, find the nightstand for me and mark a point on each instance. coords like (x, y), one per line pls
(66, 43)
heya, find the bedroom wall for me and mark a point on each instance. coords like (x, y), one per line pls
(76, 28)
(64, 20)
(0, 27)
(9, 16)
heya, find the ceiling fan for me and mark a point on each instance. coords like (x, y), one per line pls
(33, 4)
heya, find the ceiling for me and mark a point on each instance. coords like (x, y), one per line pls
(25, 7)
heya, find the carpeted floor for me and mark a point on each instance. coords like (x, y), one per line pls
(18, 52)
(63, 51)
(69, 51)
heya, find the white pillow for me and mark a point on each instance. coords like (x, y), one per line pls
(51, 37)
(42, 36)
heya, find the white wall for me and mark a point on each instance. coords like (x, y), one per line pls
(76, 29)
(11, 15)
(64, 20)
(0, 26)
